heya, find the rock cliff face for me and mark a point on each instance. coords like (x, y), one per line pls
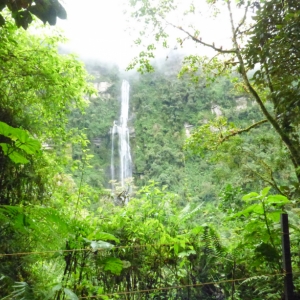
(102, 88)
(216, 109)
(188, 129)
(241, 103)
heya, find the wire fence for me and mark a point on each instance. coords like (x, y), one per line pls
(165, 288)
(112, 247)
(159, 286)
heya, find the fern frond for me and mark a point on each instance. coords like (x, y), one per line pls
(212, 242)
(255, 278)
(22, 291)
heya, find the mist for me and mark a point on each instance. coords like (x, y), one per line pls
(98, 30)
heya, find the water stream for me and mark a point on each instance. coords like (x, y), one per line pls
(124, 162)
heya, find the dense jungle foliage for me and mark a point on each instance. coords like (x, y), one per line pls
(214, 167)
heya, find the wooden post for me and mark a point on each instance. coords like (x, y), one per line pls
(286, 258)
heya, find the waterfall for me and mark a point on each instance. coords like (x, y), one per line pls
(112, 162)
(125, 168)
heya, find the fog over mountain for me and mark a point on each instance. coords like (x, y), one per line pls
(99, 29)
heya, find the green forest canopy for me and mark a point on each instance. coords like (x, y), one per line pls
(64, 237)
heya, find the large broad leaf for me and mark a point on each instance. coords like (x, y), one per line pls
(14, 155)
(57, 287)
(250, 196)
(279, 200)
(255, 208)
(5, 129)
(21, 141)
(31, 146)
(254, 226)
(275, 215)
(25, 142)
(13, 133)
(23, 18)
(114, 265)
(268, 252)
(71, 295)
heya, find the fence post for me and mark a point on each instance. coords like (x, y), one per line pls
(286, 258)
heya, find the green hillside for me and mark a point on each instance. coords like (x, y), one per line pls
(215, 156)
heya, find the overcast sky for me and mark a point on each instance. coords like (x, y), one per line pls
(96, 29)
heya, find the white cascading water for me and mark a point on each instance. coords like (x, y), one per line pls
(112, 162)
(125, 163)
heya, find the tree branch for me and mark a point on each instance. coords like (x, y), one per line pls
(199, 40)
(242, 20)
(271, 181)
(225, 138)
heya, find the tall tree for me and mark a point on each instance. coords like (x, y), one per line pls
(39, 87)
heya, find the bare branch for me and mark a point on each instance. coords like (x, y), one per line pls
(199, 40)
(242, 20)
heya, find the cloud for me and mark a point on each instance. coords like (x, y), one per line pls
(96, 30)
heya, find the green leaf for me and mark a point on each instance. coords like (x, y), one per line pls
(275, 215)
(176, 248)
(57, 287)
(22, 141)
(255, 208)
(277, 199)
(70, 294)
(197, 230)
(254, 226)
(15, 156)
(267, 251)
(13, 133)
(250, 196)
(4, 129)
(114, 265)
(265, 192)
(31, 146)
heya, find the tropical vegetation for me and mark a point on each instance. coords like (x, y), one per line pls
(214, 142)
